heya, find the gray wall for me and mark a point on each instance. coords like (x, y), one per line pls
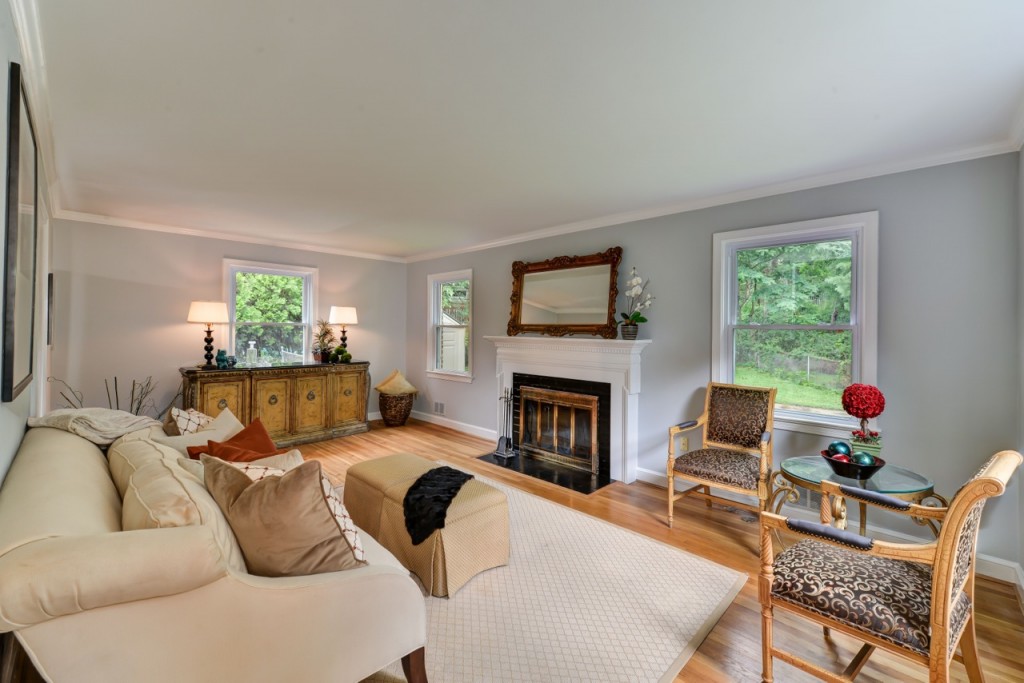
(1020, 341)
(14, 414)
(122, 296)
(949, 361)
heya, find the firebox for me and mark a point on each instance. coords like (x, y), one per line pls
(559, 426)
(562, 421)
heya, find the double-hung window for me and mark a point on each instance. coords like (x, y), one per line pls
(450, 340)
(795, 307)
(271, 306)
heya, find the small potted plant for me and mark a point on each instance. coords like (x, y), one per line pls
(864, 402)
(638, 299)
(323, 341)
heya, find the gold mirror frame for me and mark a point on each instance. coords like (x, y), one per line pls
(608, 329)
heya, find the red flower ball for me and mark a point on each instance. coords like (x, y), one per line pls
(863, 401)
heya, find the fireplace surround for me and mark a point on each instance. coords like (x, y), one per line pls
(611, 361)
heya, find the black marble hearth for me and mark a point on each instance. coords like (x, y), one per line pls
(562, 475)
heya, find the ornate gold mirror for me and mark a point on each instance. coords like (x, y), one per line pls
(566, 295)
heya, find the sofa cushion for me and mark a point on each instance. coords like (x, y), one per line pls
(160, 494)
(284, 522)
(223, 427)
(126, 456)
(251, 443)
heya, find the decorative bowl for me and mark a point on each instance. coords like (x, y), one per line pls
(852, 470)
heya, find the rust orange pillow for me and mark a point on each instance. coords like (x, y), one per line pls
(253, 438)
(225, 451)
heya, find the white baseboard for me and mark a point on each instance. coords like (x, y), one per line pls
(489, 434)
(373, 416)
(988, 565)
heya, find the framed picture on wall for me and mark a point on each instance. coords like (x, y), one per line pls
(19, 243)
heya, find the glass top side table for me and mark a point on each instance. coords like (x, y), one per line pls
(808, 471)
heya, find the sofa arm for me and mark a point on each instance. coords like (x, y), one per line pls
(337, 626)
(58, 576)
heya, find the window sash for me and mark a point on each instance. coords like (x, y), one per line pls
(309, 288)
(435, 362)
(862, 229)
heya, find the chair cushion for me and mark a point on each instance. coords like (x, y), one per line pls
(737, 415)
(888, 598)
(732, 468)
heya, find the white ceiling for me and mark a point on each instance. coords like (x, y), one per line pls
(404, 129)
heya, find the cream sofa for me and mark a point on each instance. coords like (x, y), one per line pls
(91, 601)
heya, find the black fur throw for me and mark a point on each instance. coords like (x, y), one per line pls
(426, 503)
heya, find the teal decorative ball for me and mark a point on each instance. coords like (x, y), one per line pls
(863, 458)
(839, 448)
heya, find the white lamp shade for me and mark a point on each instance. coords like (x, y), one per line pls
(343, 315)
(208, 312)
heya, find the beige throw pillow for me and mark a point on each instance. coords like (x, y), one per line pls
(396, 385)
(221, 428)
(282, 461)
(285, 522)
(190, 421)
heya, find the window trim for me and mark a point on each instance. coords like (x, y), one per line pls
(862, 228)
(433, 305)
(310, 286)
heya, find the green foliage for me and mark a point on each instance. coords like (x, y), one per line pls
(806, 286)
(455, 300)
(268, 310)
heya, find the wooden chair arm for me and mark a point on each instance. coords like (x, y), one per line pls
(880, 500)
(823, 533)
(686, 426)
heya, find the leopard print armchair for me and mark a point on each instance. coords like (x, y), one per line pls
(914, 600)
(736, 448)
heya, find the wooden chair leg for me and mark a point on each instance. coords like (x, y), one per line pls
(767, 670)
(707, 492)
(969, 650)
(671, 496)
(414, 666)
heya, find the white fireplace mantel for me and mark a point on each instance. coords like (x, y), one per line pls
(614, 361)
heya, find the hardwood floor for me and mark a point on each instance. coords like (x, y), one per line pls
(732, 651)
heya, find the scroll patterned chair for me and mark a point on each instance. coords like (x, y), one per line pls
(915, 600)
(736, 452)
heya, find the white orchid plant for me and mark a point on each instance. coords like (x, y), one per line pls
(638, 299)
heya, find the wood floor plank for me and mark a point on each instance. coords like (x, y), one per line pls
(732, 651)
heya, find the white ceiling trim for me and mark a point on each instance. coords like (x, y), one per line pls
(807, 183)
(26, 22)
(82, 217)
(1017, 128)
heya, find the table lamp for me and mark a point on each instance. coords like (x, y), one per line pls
(343, 315)
(208, 313)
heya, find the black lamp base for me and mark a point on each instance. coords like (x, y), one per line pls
(209, 349)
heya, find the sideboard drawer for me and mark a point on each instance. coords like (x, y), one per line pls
(216, 396)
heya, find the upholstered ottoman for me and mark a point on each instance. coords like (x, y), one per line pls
(474, 537)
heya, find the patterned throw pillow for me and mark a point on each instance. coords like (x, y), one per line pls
(287, 523)
(190, 421)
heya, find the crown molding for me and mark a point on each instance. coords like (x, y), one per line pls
(805, 183)
(1017, 129)
(26, 25)
(82, 217)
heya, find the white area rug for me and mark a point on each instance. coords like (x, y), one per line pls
(581, 600)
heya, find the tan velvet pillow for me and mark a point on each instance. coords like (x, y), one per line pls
(396, 384)
(284, 522)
